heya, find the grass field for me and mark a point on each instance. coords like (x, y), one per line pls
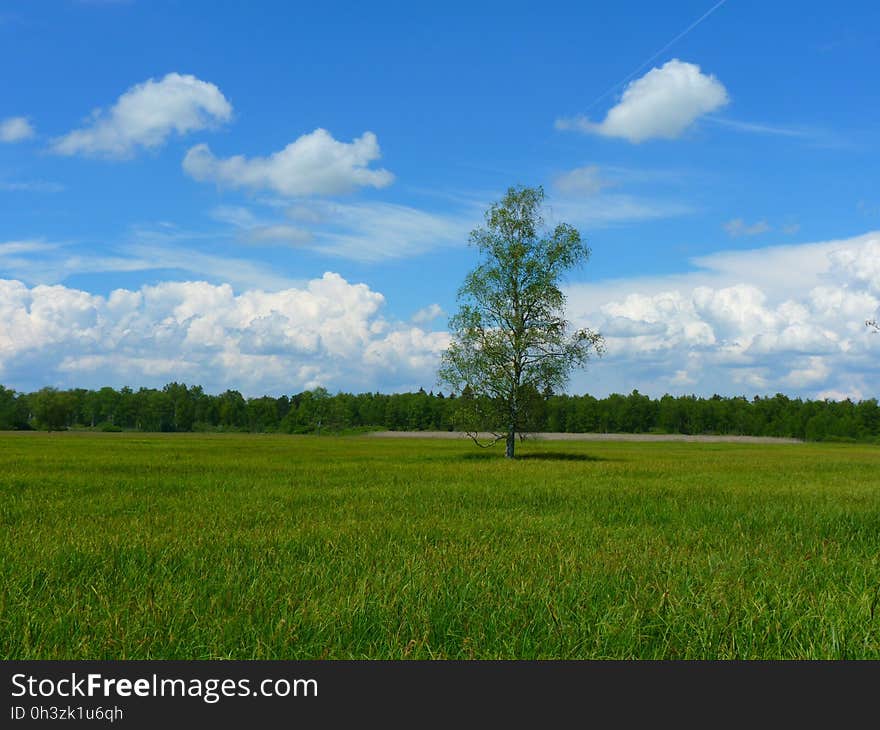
(124, 546)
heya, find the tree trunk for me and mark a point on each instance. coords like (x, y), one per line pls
(511, 444)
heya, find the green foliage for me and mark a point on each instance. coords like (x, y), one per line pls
(510, 340)
(178, 407)
(134, 546)
(13, 410)
(53, 409)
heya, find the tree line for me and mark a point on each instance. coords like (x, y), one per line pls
(178, 407)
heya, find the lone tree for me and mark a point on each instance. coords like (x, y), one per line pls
(510, 340)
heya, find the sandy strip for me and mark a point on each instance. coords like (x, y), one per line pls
(594, 437)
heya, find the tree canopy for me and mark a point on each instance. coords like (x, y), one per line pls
(178, 407)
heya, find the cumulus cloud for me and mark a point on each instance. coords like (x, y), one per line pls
(15, 129)
(778, 319)
(861, 263)
(313, 164)
(810, 371)
(785, 318)
(327, 332)
(428, 314)
(146, 115)
(662, 104)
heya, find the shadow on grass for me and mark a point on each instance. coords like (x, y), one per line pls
(534, 456)
(559, 456)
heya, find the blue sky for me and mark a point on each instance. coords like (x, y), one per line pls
(273, 196)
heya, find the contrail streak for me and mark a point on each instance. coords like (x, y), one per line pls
(667, 46)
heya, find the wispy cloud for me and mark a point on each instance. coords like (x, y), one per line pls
(373, 231)
(253, 230)
(145, 249)
(31, 186)
(241, 273)
(366, 231)
(738, 227)
(771, 129)
(587, 180)
(809, 135)
(12, 248)
(606, 210)
(581, 197)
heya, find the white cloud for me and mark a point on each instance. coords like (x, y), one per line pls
(854, 394)
(811, 370)
(15, 129)
(367, 231)
(146, 115)
(374, 231)
(314, 164)
(327, 332)
(610, 209)
(428, 314)
(166, 250)
(279, 234)
(235, 215)
(581, 181)
(770, 129)
(10, 248)
(580, 197)
(738, 227)
(861, 263)
(813, 136)
(662, 104)
(253, 230)
(784, 318)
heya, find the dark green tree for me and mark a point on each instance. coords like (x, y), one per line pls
(510, 339)
(53, 409)
(8, 409)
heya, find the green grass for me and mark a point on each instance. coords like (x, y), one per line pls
(127, 546)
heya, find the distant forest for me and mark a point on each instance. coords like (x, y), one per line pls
(178, 407)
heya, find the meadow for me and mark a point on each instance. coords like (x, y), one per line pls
(187, 546)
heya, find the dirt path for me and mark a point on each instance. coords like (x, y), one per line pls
(595, 437)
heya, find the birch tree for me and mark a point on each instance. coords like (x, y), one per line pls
(510, 338)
